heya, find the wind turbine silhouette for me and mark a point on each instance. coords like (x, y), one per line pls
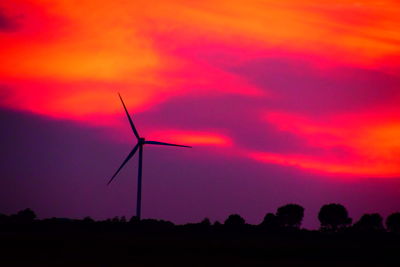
(141, 141)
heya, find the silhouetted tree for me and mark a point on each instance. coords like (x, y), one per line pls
(393, 222)
(234, 220)
(270, 221)
(290, 215)
(134, 220)
(25, 216)
(333, 216)
(123, 219)
(88, 219)
(3, 218)
(200, 227)
(115, 219)
(205, 222)
(217, 225)
(370, 222)
(155, 224)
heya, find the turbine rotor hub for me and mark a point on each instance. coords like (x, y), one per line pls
(141, 140)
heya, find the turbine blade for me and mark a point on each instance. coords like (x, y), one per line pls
(129, 118)
(130, 155)
(163, 144)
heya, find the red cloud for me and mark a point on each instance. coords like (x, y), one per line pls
(361, 144)
(192, 137)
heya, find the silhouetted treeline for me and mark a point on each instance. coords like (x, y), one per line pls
(333, 218)
(278, 240)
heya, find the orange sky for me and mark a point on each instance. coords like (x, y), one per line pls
(67, 59)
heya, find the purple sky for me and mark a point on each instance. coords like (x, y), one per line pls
(60, 168)
(283, 102)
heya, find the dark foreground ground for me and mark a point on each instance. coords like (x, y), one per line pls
(199, 247)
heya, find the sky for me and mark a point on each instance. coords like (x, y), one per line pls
(283, 102)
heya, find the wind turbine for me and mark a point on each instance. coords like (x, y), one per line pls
(141, 141)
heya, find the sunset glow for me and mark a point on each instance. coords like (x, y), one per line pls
(193, 138)
(324, 74)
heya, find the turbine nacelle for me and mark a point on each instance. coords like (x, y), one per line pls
(141, 140)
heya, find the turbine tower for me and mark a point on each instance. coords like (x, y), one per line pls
(141, 141)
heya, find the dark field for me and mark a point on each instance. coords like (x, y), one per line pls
(94, 245)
